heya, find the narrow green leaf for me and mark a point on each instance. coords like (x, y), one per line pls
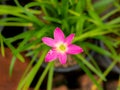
(102, 3)
(50, 77)
(80, 7)
(13, 19)
(95, 17)
(93, 13)
(12, 65)
(65, 25)
(19, 36)
(80, 25)
(14, 51)
(33, 60)
(2, 46)
(87, 71)
(15, 24)
(92, 33)
(97, 49)
(26, 39)
(17, 14)
(10, 7)
(114, 21)
(64, 8)
(107, 15)
(72, 2)
(25, 83)
(91, 67)
(29, 14)
(107, 71)
(107, 44)
(19, 56)
(93, 61)
(51, 19)
(43, 76)
(74, 13)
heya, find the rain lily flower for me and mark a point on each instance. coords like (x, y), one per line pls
(61, 46)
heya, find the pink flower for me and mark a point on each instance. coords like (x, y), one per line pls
(61, 46)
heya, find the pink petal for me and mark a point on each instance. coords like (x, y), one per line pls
(51, 55)
(69, 39)
(48, 41)
(58, 34)
(62, 58)
(74, 49)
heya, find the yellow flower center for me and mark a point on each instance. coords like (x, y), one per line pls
(62, 47)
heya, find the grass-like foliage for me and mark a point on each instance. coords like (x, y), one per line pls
(87, 20)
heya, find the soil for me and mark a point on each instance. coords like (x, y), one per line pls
(70, 62)
(7, 82)
(70, 65)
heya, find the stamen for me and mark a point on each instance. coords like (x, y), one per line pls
(62, 47)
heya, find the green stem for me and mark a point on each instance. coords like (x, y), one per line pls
(16, 14)
(87, 34)
(50, 77)
(2, 45)
(89, 5)
(28, 68)
(43, 76)
(32, 16)
(43, 9)
(91, 67)
(109, 14)
(25, 83)
(98, 31)
(12, 65)
(14, 51)
(108, 70)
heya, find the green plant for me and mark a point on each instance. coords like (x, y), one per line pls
(72, 16)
